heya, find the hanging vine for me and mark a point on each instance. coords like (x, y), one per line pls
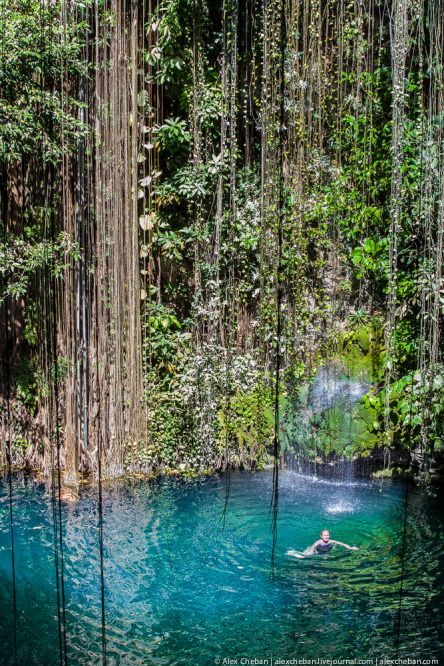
(238, 201)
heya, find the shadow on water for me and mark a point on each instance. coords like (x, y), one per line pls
(181, 588)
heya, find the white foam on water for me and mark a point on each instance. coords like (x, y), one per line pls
(341, 506)
(328, 482)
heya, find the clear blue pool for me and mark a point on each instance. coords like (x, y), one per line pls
(182, 587)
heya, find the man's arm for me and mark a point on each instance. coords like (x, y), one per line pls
(339, 543)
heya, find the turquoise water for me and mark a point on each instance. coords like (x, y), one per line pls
(184, 587)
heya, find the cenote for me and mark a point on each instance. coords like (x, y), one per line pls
(221, 248)
(188, 577)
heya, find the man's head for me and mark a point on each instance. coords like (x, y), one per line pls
(325, 536)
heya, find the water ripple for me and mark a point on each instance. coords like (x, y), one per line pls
(183, 586)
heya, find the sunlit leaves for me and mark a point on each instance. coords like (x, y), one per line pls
(20, 260)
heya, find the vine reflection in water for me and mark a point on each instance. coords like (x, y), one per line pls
(182, 589)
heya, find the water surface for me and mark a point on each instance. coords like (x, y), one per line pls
(187, 582)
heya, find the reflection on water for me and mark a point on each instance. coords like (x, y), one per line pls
(182, 589)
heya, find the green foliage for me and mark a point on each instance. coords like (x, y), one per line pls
(20, 260)
(371, 258)
(416, 408)
(166, 345)
(246, 426)
(340, 424)
(244, 236)
(190, 183)
(169, 30)
(20, 445)
(170, 445)
(36, 48)
(32, 385)
(27, 384)
(173, 139)
(226, 240)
